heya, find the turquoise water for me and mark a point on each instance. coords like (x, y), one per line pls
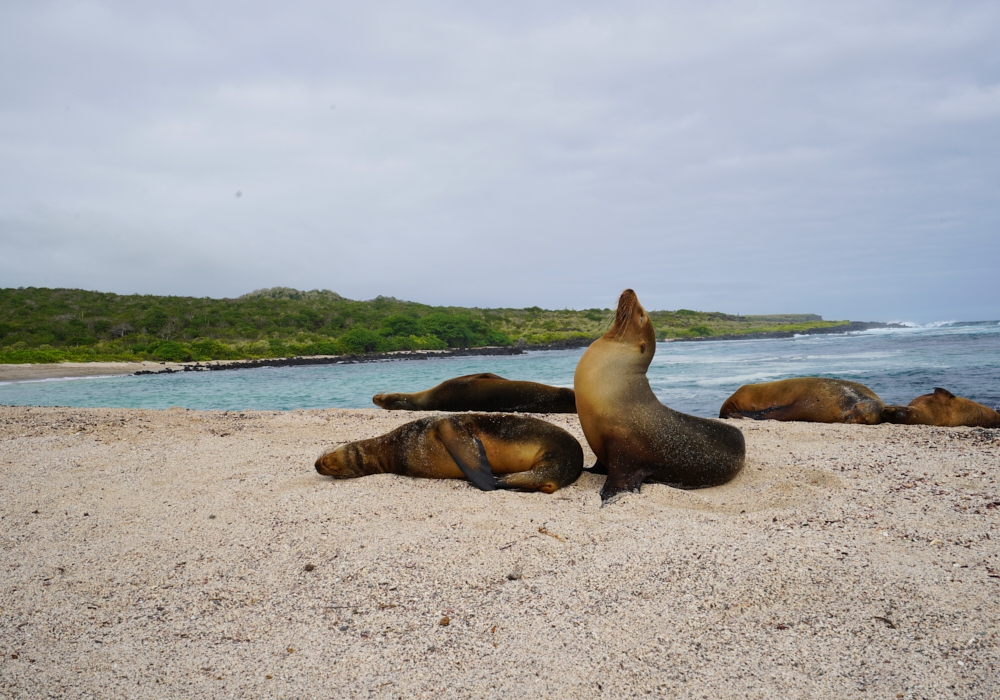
(696, 378)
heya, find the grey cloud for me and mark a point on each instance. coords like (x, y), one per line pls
(752, 157)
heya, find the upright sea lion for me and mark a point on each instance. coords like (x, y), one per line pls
(492, 451)
(944, 409)
(635, 437)
(812, 399)
(483, 392)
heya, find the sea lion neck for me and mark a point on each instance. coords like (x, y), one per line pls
(632, 326)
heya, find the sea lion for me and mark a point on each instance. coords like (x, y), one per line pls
(635, 437)
(483, 392)
(493, 451)
(944, 409)
(812, 399)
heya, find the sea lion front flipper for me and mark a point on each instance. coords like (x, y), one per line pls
(623, 475)
(770, 413)
(622, 482)
(598, 468)
(469, 454)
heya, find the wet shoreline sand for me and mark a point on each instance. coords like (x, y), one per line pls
(184, 553)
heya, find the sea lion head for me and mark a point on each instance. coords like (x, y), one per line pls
(394, 402)
(632, 328)
(897, 414)
(866, 413)
(343, 462)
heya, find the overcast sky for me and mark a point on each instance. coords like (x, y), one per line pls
(837, 158)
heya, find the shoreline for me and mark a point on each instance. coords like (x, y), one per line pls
(66, 370)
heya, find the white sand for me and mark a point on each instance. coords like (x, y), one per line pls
(846, 561)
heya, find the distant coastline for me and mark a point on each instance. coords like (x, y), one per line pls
(218, 365)
(31, 372)
(851, 327)
(56, 326)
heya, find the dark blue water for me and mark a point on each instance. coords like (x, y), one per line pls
(696, 378)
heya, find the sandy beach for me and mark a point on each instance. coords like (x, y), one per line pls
(152, 554)
(64, 370)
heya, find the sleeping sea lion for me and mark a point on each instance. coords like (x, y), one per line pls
(635, 437)
(944, 409)
(483, 392)
(492, 451)
(812, 399)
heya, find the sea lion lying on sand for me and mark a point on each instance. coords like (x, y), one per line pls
(492, 451)
(944, 409)
(483, 392)
(635, 437)
(811, 399)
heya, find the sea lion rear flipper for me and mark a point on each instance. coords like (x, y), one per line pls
(469, 454)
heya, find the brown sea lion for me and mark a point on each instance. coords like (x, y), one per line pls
(483, 392)
(944, 409)
(493, 451)
(812, 399)
(635, 437)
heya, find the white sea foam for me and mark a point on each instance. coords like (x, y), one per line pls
(910, 325)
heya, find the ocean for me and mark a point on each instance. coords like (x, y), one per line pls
(694, 377)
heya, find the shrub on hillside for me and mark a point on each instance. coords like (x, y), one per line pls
(169, 351)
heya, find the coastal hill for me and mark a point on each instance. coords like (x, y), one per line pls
(41, 325)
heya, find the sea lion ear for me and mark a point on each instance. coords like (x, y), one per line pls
(943, 392)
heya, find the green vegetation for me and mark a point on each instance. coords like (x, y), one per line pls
(57, 325)
(686, 324)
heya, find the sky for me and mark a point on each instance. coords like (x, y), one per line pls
(839, 158)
